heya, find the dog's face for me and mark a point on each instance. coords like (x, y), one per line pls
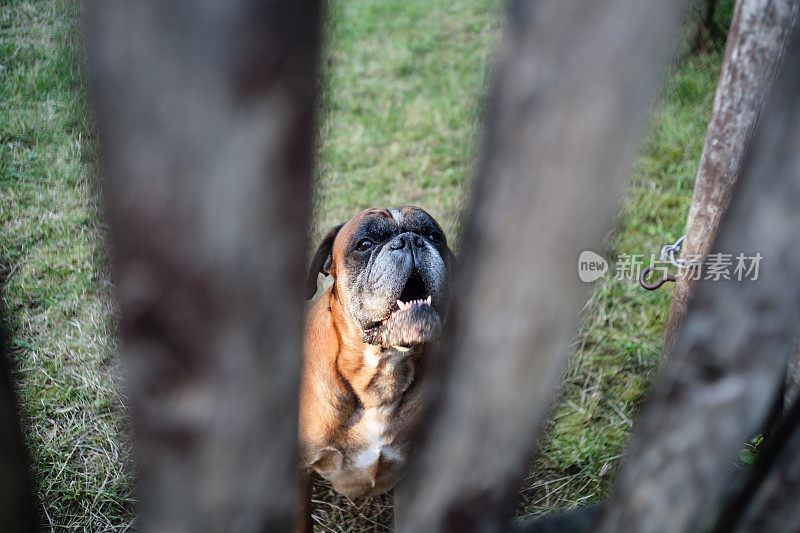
(391, 270)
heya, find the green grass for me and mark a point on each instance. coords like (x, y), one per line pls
(402, 92)
(54, 289)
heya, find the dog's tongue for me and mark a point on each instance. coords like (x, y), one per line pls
(414, 323)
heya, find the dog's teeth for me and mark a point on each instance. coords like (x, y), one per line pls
(428, 300)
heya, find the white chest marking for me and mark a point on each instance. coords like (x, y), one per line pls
(373, 425)
(372, 356)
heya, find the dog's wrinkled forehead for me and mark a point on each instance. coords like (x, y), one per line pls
(379, 223)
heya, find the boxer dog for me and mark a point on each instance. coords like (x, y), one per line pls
(364, 337)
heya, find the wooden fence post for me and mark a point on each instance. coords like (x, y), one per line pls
(730, 356)
(205, 111)
(756, 40)
(571, 73)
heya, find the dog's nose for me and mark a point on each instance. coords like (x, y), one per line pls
(400, 242)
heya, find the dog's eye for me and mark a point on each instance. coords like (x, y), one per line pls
(364, 245)
(435, 237)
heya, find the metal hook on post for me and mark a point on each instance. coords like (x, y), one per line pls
(668, 253)
(652, 286)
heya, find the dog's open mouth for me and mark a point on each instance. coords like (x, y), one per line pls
(412, 320)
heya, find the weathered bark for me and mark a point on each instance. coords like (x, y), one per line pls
(205, 112)
(17, 507)
(730, 356)
(571, 73)
(755, 46)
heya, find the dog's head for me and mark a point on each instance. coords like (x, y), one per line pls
(391, 270)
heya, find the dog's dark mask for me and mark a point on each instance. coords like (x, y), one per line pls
(391, 271)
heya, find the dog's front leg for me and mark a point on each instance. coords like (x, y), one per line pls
(302, 520)
(396, 507)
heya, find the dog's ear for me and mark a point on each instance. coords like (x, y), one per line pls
(321, 261)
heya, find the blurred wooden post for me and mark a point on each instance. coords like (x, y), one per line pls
(730, 356)
(205, 112)
(17, 503)
(573, 86)
(756, 40)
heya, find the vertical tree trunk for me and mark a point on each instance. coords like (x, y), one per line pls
(730, 356)
(571, 72)
(755, 45)
(205, 112)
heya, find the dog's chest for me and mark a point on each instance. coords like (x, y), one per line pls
(374, 454)
(375, 432)
(372, 461)
(387, 375)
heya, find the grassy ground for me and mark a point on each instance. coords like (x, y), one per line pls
(52, 272)
(402, 89)
(401, 103)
